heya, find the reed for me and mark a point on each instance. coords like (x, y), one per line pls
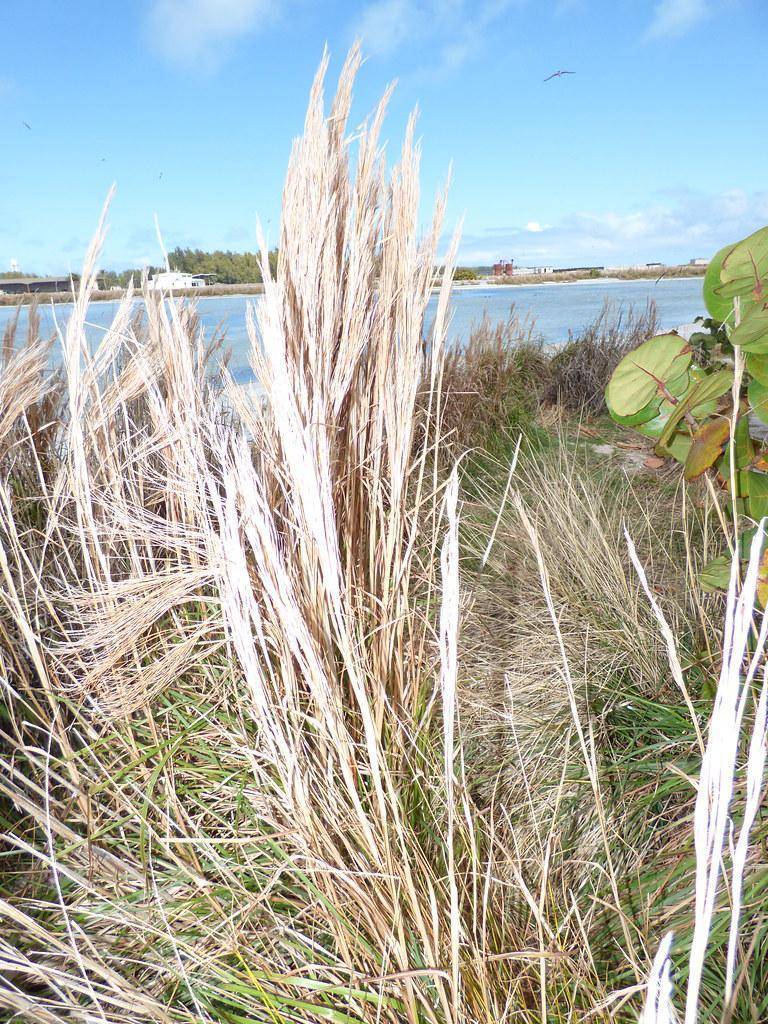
(579, 371)
(492, 382)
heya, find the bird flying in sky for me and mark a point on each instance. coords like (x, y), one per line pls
(27, 125)
(558, 74)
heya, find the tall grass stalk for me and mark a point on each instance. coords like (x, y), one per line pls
(713, 825)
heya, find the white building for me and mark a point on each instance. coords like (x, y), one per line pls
(698, 263)
(175, 280)
(523, 271)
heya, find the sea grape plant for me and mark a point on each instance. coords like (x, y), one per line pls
(704, 400)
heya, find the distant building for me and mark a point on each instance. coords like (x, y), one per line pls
(504, 268)
(22, 285)
(654, 266)
(175, 280)
(699, 262)
(507, 268)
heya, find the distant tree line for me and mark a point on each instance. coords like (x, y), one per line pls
(121, 278)
(228, 267)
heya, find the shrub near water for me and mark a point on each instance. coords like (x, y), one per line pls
(580, 371)
(492, 382)
(496, 382)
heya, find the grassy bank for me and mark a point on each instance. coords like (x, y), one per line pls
(348, 705)
(117, 294)
(570, 277)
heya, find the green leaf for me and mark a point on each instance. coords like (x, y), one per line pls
(703, 408)
(752, 332)
(742, 480)
(718, 308)
(709, 388)
(745, 538)
(678, 448)
(745, 448)
(716, 575)
(655, 427)
(708, 442)
(757, 491)
(744, 454)
(745, 542)
(677, 388)
(757, 394)
(678, 385)
(745, 269)
(712, 386)
(643, 373)
(648, 412)
(757, 366)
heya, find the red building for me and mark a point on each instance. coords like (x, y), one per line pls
(504, 268)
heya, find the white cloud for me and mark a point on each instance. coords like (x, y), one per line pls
(533, 226)
(679, 227)
(676, 17)
(450, 31)
(385, 25)
(199, 33)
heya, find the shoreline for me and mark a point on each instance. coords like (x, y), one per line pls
(672, 273)
(246, 291)
(217, 291)
(544, 283)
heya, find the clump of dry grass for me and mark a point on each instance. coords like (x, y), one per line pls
(492, 382)
(580, 371)
(517, 711)
(232, 789)
(563, 633)
(496, 382)
(29, 397)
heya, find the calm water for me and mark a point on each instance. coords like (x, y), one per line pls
(556, 309)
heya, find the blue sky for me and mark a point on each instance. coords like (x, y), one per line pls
(655, 148)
